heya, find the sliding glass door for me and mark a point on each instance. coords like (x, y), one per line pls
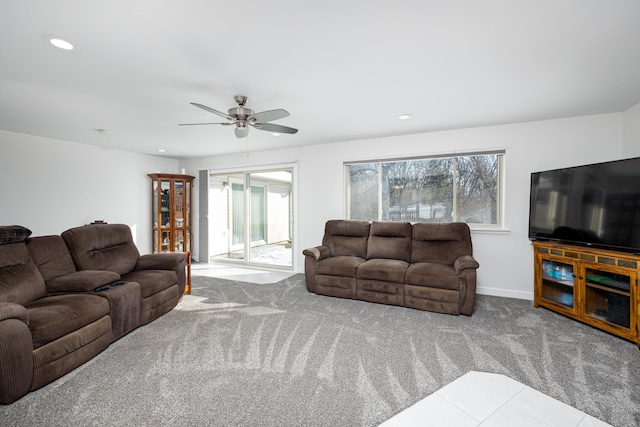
(250, 217)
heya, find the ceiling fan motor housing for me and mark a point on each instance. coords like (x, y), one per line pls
(240, 113)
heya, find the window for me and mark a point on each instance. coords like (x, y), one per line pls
(463, 188)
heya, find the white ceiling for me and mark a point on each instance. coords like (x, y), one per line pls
(343, 69)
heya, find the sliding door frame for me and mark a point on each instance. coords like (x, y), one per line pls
(248, 170)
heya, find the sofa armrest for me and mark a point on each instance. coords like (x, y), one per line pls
(465, 262)
(163, 261)
(311, 258)
(81, 281)
(10, 310)
(176, 261)
(16, 357)
(318, 253)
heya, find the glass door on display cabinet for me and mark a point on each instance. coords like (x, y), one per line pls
(608, 297)
(557, 283)
(178, 216)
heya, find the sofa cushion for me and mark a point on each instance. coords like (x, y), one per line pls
(51, 255)
(102, 247)
(433, 275)
(346, 238)
(152, 281)
(13, 234)
(53, 317)
(440, 243)
(345, 266)
(390, 240)
(387, 270)
(20, 280)
(57, 358)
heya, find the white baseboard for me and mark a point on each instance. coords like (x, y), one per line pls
(497, 292)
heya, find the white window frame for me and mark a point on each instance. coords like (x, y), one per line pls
(500, 196)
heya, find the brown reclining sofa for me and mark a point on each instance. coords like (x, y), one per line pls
(428, 266)
(64, 299)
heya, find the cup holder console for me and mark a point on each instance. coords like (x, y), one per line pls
(110, 286)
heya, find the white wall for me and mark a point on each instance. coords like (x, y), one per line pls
(631, 131)
(506, 259)
(49, 185)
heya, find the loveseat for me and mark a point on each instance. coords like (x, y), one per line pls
(64, 299)
(427, 266)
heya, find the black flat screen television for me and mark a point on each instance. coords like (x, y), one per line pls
(592, 205)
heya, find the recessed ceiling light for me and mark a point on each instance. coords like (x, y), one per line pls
(404, 116)
(161, 150)
(275, 134)
(60, 43)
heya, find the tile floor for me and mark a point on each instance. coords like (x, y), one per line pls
(244, 274)
(485, 399)
(474, 399)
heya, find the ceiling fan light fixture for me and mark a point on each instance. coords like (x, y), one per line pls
(275, 134)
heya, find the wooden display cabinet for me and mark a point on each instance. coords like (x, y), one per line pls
(171, 215)
(593, 286)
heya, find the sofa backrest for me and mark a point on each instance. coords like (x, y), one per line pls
(102, 247)
(441, 243)
(51, 256)
(390, 240)
(346, 237)
(20, 280)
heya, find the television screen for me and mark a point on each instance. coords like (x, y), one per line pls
(594, 205)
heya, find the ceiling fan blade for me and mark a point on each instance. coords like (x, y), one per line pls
(197, 124)
(211, 110)
(269, 116)
(242, 132)
(270, 127)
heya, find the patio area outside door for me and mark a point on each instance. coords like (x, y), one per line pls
(254, 211)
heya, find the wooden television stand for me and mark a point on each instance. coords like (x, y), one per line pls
(594, 286)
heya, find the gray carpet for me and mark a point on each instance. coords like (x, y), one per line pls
(238, 354)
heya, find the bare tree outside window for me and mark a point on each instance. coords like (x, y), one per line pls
(462, 188)
(477, 188)
(363, 191)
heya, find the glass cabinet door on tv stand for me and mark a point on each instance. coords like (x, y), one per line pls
(607, 297)
(596, 287)
(557, 284)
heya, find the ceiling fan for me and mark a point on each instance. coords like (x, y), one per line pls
(244, 117)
